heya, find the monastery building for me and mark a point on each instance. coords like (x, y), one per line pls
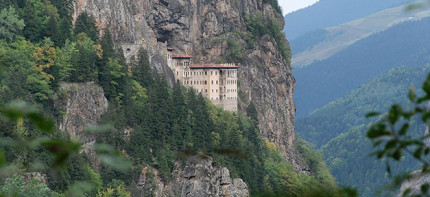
(217, 82)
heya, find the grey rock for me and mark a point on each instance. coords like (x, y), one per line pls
(84, 103)
(198, 27)
(199, 177)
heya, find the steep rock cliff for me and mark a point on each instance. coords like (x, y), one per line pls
(199, 177)
(202, 28)
(83, 105)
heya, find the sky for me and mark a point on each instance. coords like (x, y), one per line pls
(292, 5)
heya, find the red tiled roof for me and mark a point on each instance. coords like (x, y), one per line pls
(202, 66)
(181, 56)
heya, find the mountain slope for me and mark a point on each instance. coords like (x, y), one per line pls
(349, 111)
(327, 13)
(324, 81)
(339, 128)
(215, 32)
(323, 43)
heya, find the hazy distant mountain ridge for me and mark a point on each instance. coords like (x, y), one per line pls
(320, 44)
(327, 13)
(339, 128)
(324, 81)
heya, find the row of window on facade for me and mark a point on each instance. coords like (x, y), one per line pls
(225, 98)
(216, 90)
(182, 64)
(230, 73)
(206, 82)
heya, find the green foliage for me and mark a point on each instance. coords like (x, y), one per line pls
(258, 27)
(84, 62)
(165, 124)
(339, 129)
(392, 137)
(349, 111)
(275, 5)
(86, 24)
(34, 15)
(142, 72)
(314, 160)
(17, 186)
(236, 53)
(10, 24)
(115, 189)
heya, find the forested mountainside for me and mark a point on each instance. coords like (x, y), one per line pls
(324, 81)
(178, 143)
(321, 44)
(338, 129)
(243, 32)
(327, 13)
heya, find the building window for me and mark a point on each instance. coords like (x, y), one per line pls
(206, 72)
(206, 82)
(211, 72)
(216, 81)
(212, 82)
(206, 90)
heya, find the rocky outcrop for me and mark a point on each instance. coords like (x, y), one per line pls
(202, 28)
(83, 105)
(199, 177)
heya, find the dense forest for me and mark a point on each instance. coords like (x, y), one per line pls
(40, 49)
(322, 82)
(327, 13)
(339, 129)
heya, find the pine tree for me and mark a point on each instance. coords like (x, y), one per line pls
(64, 32)
(10, 24)
(84, 61)
(86, 24)
(4, 4)
(52, 31)
(33, 25)
(142, 72)
(251, 112)
(65, 9)
(181, 126)
(104, 75)
(202, 125)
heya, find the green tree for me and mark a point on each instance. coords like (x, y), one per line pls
(392, 139)
(17, 186)
(10, 24)
(84, 61)
(86, 24)
(34, 19)
(142, 72)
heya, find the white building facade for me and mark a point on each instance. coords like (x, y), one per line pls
(217, 82)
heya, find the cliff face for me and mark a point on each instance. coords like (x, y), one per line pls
(84, 103)
(199, 177)
(202, 28)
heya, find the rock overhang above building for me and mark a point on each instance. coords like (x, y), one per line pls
(181, 56)
(213, 66)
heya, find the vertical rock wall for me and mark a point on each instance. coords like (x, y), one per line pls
(202, 28)
(84, 103)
